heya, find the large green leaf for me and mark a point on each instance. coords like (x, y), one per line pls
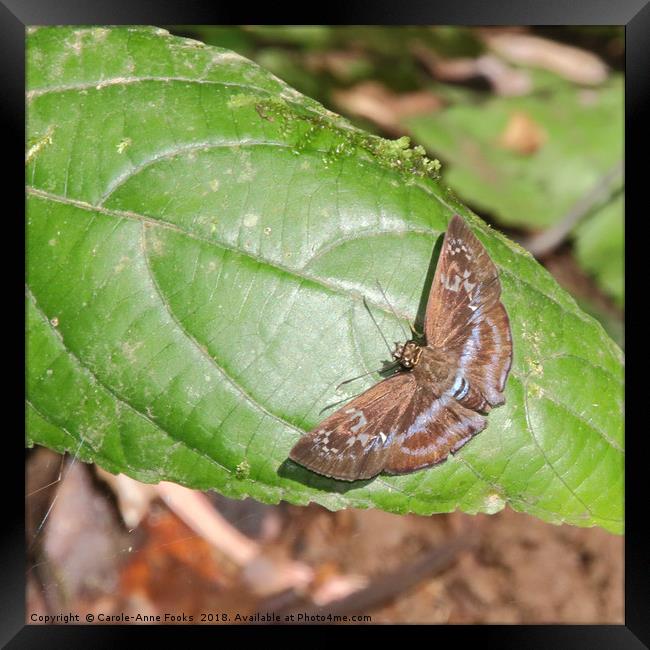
(200, 240)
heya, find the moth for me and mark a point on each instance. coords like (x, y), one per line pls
(444, 387)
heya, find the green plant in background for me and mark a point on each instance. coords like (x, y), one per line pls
(599, 247)
(318, 59)
(200, 240)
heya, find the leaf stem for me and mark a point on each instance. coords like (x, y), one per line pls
(546, 242)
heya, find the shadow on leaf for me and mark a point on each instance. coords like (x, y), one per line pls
(298, 473)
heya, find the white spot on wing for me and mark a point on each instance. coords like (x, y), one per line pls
(468, 286)
(455, 286)
(361, 419)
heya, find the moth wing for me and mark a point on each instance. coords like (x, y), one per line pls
(438, 426)
(465, 315)
(354, 442)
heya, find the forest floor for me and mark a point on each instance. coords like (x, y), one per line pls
(514, 568)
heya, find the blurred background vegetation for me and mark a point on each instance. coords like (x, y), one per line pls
(527, 122)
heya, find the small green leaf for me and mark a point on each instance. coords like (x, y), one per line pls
(200, 241)
(580, 141)
(599, 248)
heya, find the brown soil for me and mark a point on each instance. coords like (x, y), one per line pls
(517, 569)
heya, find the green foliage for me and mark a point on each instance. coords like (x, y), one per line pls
(302, 56)
(200, 238)
(599, 247)
(582, 141)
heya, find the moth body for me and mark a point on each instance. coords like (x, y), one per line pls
(408, 354)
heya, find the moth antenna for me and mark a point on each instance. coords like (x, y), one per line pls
(390, 350)
(333, 404)
(383, 293)
(415, 332)
(347, 381)
(365, 374)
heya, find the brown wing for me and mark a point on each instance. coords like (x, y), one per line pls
(465, 315)
(396, 426)
(354, 442)
(436, 427)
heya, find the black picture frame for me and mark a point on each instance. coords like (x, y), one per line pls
(15, 15)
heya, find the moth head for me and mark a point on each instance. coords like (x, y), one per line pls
(408, 354)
